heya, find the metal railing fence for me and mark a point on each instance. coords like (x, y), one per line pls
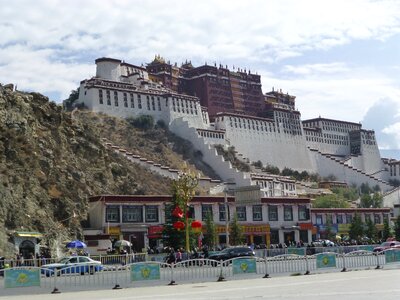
(133, 274)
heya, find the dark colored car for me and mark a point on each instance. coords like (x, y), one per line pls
(387, 245)
(2, 265)
(232, 252)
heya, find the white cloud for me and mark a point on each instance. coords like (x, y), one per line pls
(50, 46)
(335, 90)
(394, 131)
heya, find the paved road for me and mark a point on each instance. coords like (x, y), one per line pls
(354, 285)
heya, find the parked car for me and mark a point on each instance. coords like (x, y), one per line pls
(2, 265)
(72, 264)
(323, 243)
(387, 245)
(232, 252)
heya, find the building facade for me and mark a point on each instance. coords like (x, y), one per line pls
(337, 221)
(140, 219)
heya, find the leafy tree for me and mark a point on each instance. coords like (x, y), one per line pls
(370, 230)
(377, 200)
(258, 164)
(365, 189)
(329, 230)
(236, 232)
(172, 237)
(366, 201)
(210, 237)
(69, 103)
(356, 231)
(330, 201)
(271, 169)
(397, 228)
(304, 175)
(386, 230)
(182, 192)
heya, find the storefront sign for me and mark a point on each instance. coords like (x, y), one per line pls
(114, 230)
(244, 265)
(145, 271)
(306, 226)
(21, 278)
(155, 231)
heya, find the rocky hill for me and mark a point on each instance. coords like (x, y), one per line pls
(51, 161)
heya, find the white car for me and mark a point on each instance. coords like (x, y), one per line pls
(72, 264)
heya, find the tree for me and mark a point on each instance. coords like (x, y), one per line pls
(329, 230)
(386, 233)
(172, 237)
(184, 188)
(356, 228)
(69, 103)
(330, 201)
(236, 232)
(366, 201)
(370, 230)
(377, 200)
(210, 237)
(397, 228)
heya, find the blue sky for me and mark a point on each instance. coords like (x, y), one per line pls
(341, 59)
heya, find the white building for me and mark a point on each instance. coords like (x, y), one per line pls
(324, 146)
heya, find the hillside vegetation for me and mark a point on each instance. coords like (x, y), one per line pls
(51, 162)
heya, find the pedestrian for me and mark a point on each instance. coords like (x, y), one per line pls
(178, 256)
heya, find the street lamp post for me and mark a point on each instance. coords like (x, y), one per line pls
(226, 218)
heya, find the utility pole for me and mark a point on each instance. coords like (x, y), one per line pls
(226, 217)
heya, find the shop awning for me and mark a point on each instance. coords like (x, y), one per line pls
(28, 234)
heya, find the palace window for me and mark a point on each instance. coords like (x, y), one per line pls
(159, 103)
(148, 103)
(108, 97)
(100, 96)
(273, 213)
(257, 213)
(151, 213)
(115, 98)
(153, 105)
(125, 100)
(132, 214)
(112, 213)
(205, 210)
(132, 101)
(288, 213)
(241, 213)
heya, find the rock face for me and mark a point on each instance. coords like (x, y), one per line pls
(49, 163)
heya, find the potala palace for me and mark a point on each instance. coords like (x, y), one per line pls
(211, 105)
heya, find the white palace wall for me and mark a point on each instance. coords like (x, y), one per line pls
(269, 146)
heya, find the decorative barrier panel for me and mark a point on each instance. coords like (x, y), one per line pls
(367, 248)
(145, 271)
(392, 256)
(21, 278)
(297, 251)
(244, 265)
(326, 260)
